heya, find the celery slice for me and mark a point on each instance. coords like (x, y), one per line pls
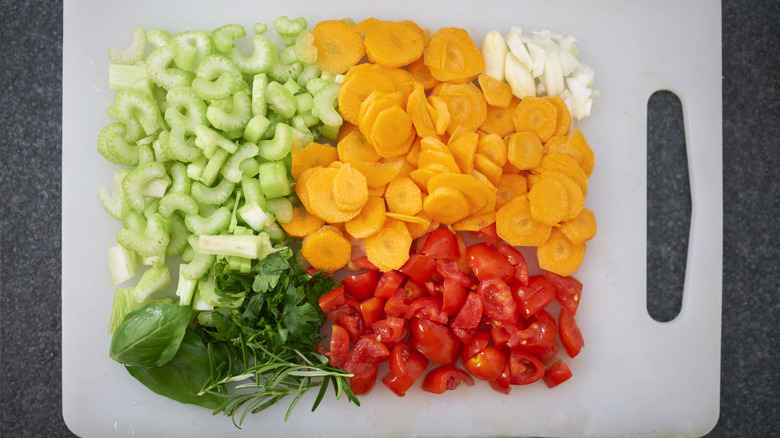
(256, 128)
(174, 201)
(178, 233)
(181, 147)
(216, 195)
(278, 147)
(233, 116)
(160, 69)
(273, 179)
(132, 54)
(191, 48)
(232, 170)
(158, 37)
(281, 208)
(217, 222)
(325, 102)
(121, 75)
(133, 183)
(150, 241)
(184, 106)
(113, 146)
(217, 77)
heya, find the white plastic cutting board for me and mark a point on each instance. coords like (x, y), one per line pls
(635, 376)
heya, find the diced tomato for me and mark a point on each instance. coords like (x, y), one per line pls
(445, 378)
(396, 305)
(485, 261)
(354, 325)
(361, 286)
(539, 335)
(505, 335)
(419, 267)
(453, 296)
(372, 309)
(524, 368)
(556, 374)
(535, 296)
(570, 334)
(426, 308)
(349, 306)
(441, 244)
(501, 384)
(364, 379)
(414, 290)
(435, 341)
(488, 364)
(389, 330)
(363, 263)
(497, 301)
(567, 291)
(470, 314)
(517, 260)
(367, 351)
(331, 299)
(399, 384)
(548, 356)
(464, 335)
(477, 342)
(388, 283)
(449, 269)
(406, 366)
(490, 234)
(339, 345)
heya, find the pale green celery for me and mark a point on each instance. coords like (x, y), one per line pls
(325, 102)
(157, 187)
(263, 57)
(207, 294)
(188, 254)
(224, 36)
(161, 147)
(215, 163)
(289, 29)
(304, 47)
(259, 83)
(150, 240)
(214, 195)
(279, 146)
(126, 300)
(281, 208)
(158, 37)
(114, 203)
(195, 169)
(209, 140)
(178, 236)
(121, 76)
(309, 72)
(133, 105)
(113, 146)
(274, 119)
(184, 105)
(249, 167)
(331, 131)
(275, 232)
(304, 101)
(132, 54)
(314, 84)
(232, 170)
(154, 261)
(248, 245)
(293, 87)
(180, 146)
(180, 182)
(301, 135)
(185, 288)
(280, 100)
(198, 304)
(217, 77)
(158, 67)
(240, 264)
(122, 264)
(274, 180)
(212, 224)
(145, 153)
(151, 208)
(200, 264)
(281, 71)
(174, 201)
(253, 211)
(133, 184)
(191, 48)
(234, 115)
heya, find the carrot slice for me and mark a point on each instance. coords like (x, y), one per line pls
(369, 221)
(388, 249)
(463, 146)
(417, 108)
(344, 129)
(433, 151)
(312, 155)
(575, 146)
(339, 46)
(549, 199)
(452, 55)
(499, 120)
(443, 116)
(487, 167)
(326, 249)
(560, 255)
(524, 150)
(567, 165)
(414, 152)
(354, 147)
(350, 190)
(510, 186)
(421, 225)
(563, 123)
(422, 74)
(359, 82)
(392, 132)
(537, 115)
(319, 195)
(302, 224)
(363, 25)
(475, 222)
(497, 93)
(393, 43)
(493, 147)
(372, 106)
(380, 173)
(466, 105)
(515, 225)
(422, 175)
(301, 182)
(582, 228)
(403, 196)
(476, 192)
(402, 81)
(446, 205)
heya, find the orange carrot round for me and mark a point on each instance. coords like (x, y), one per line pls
(560, 255)
(537, 115)
(393, 43)
(452, 55)
(326, 249)
(339, 46)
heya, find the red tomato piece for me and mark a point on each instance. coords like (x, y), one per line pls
(539, 335)
(502, 384)
(469, 316)
(570, 334)
(396, 305)
(488, 364)
(536, 295)
(363, 263)
(367, 351)
(450, 269)
(354, 325)
(435, 341)
(331, 299)
(485, 261)
(364, 379)
(414, 290)
(445, 378)
(372, 309)
(361, 286)
(567, 291)
(465, 335)
(548, 356)
(388, 283)
(517, 260)
(339, 345)
(441, 244)
(419, 267)
(489, 233)
(389, 330)
(426, 308)
(405, 360)
(453, 296)
(478, 341)
(497, 301)
(349, 306)
(556, 374)
(399, 384)
(524, 368)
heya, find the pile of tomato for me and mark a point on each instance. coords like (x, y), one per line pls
(450, 302)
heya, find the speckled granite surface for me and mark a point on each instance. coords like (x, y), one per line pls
(30, 174)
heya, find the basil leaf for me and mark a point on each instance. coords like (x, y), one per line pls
(150, 335)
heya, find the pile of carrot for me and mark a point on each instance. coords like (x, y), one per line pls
(429, 139)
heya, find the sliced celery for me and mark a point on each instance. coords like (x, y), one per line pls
(217, 77)
(133, 183)
(184, 105)
(180, 182)
(216, 195)
(217, 222)
(121, 75)
(191, 48)
(178, 233)
(281, 100)
(279, 146)
(174, 201)
(150, 241)
(281, 208)
(256, 128)
(232, 170)
(233, 115)
(132, 54)
(325, 102)
(158, 37)
(158, 66)
(273, 179)
(122, 264)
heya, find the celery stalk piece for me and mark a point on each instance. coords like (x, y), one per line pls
(209, 140)
(263, 58)
(121, 75)
(184, 105)
(213, 224)
(133, 184)
(234, 117)
(158, 37)
(185, 288)
(192, 47)
(177, 201)
(122, 264)
(181, 147)
(224, 36)
(287, 67)
(281, 208)
(126, 300)
(281, 100)
(114, 203)
(304, 47)
(259, 84)
(150, 240)
(231, 170)
(215, 195)
(156, 187)
(132, 54)
(134, 106)
(217, 77)
(214, 164)
(178, 233)
(200, 264)
(273, 179)
(289, 29)
(157, 66)
(249, 246)
(180, 182)
(278, 147)
(113, 146)
(309, 72)
(325, 102)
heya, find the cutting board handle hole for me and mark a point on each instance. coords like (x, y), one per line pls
(668, 205)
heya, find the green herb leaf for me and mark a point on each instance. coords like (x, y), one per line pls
(150, 335)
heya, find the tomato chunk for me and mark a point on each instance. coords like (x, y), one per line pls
(502, 383)
(445, 378)
(570, 334)
(453, 296)
(470, 314)
(567, 291)
(367, 351)
(363, 379)
(534, 296)
(497, 301)
(388, 283)
(435, 341)
(485, 262)
(419, 268)
(441, 244)
(361, 286)
(339, 345)
(517, 260)
(331, 299)
(488, 364)
(450, 269)
(406, 366)
(539, 335)
(426, 308)
(372, 309)
(524, 368)
(389, 331)
(556, 374)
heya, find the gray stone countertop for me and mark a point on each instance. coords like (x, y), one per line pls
(30, 216)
